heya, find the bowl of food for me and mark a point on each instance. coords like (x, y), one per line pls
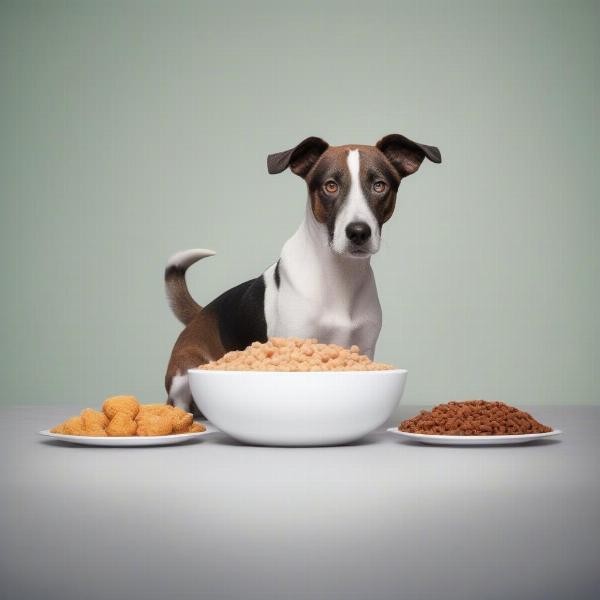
(294, 392)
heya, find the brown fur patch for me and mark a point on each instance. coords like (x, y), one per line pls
(196, 345)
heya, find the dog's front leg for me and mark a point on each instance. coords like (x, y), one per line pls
(177, 381)
(179, 392)
(366, 338)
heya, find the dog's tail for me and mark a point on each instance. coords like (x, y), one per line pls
(178, 295)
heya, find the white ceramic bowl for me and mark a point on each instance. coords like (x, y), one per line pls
(276, 408)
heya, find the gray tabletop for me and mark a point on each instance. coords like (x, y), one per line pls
(378, 519)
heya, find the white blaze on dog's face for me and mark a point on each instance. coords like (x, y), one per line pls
(353, 192)
(356, 231)
(352, 189)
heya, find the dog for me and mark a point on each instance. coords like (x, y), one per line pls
(322, 286)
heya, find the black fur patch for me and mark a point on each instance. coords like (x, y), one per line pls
(240, 313)
(277, 277)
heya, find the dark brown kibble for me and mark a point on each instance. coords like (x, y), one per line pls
(473, 417)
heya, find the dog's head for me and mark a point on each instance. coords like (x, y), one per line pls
(352, 188)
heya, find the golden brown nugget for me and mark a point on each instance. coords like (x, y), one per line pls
(121, 425)
(76, 426)
(149, 424)
(126, 404)
(182, 421)
(73, 426)
(196, 427)
(58, 429)
(93, 420)
(160, 410)
(96, 433)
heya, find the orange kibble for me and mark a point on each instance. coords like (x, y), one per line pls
(295, 355)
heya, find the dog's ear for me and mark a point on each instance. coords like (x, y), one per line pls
(406, 155)
(299, 159)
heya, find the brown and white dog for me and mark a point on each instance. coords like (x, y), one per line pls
(322, 286)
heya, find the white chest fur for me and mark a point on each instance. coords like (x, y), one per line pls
(320, 294)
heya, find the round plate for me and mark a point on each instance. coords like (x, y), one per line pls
(473, 440)
(128, 441)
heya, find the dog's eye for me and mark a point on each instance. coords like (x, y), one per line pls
(379, 187)
(331, 187)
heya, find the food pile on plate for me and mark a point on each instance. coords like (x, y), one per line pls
(124, 416)
(473, 417)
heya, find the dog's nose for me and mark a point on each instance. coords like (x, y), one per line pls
(358, 233)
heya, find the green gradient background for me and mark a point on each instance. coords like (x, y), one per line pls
(132, 130)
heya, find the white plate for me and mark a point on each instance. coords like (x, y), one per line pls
(128, 441)
(473, 440)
